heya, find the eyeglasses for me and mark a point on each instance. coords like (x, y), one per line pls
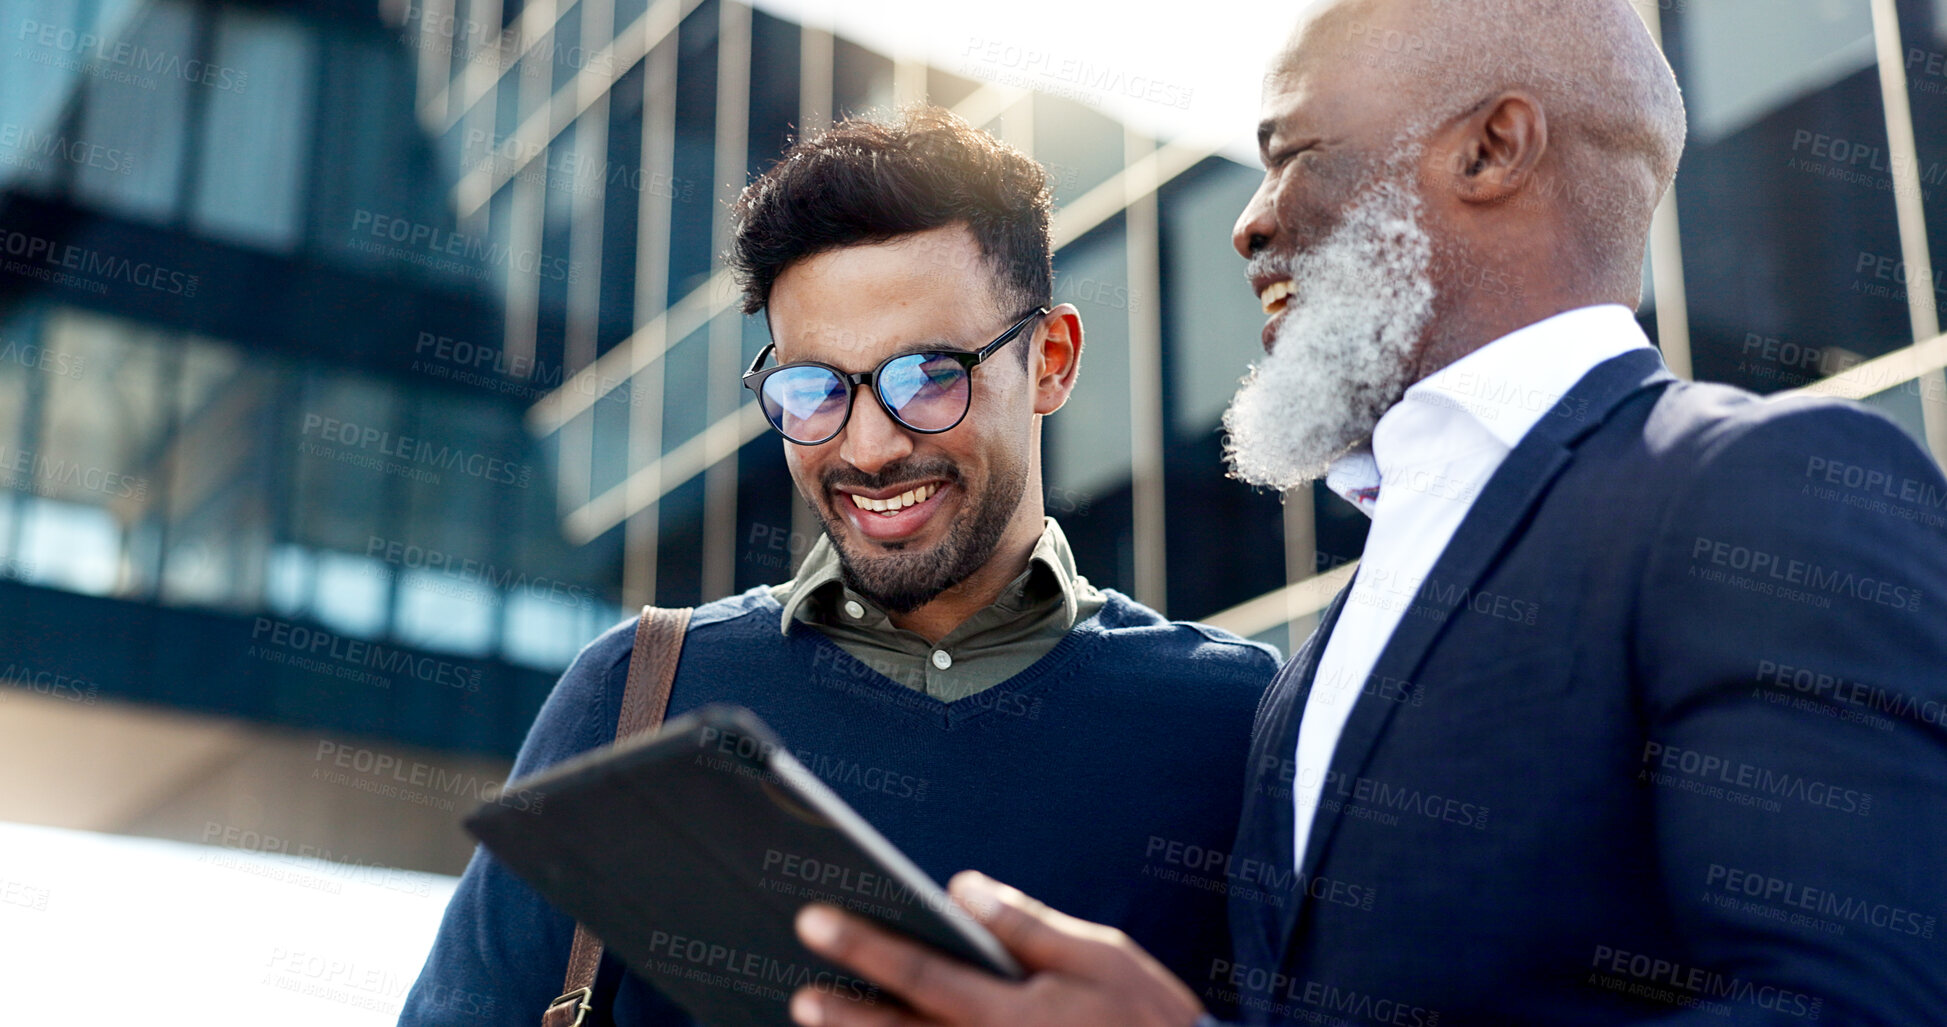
(928, 392)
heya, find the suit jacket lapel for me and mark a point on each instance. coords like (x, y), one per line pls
(1486, 531)
(1265, 831)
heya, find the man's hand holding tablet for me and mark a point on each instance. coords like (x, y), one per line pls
(1081, 974)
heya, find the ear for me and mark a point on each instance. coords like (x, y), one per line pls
(1493, 152)
(1057, 357)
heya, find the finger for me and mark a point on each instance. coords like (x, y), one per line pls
(1084, 952)
(811, 1007)
(1040, 937)
(934, 985)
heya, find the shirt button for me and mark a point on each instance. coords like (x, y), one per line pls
(941, 659)
(853, 609)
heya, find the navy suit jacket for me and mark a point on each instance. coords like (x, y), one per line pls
(1659, 740)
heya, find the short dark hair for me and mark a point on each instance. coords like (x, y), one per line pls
(866, 181)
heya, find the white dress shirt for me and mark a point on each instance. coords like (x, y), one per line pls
(1429, 457)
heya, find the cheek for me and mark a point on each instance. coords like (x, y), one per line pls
(968, 447)
(804, 464)
(1005, 398)
(1305, 218)
(1314, 193)
(1301, 219)
(989, 452)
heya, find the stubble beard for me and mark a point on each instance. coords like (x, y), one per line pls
(903, 580)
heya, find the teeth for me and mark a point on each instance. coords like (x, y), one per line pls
(896, 503)
(1274, 295)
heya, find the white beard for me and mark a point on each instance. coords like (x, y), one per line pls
(1343, 350)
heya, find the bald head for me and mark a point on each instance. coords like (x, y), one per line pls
(1614, 118)
(1437, 174)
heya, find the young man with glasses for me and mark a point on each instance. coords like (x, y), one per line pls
(939, 660)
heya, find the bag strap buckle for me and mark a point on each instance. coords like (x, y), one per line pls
(575, 1002)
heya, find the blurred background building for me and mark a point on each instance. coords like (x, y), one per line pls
(360, 361)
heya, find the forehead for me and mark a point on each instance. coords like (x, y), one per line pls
(859, 303)
(1329, 74)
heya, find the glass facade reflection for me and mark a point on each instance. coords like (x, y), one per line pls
(401, 326)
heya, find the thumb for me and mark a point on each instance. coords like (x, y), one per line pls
(1040, 937)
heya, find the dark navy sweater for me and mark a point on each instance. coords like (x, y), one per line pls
(1105, 780)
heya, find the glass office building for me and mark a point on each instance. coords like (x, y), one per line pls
(361, 361)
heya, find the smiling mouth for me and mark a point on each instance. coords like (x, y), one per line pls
(1275, 296)
(893, 504)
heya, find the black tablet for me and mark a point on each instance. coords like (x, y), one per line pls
(690, 851)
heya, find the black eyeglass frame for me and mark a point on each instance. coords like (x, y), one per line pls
(754, 379)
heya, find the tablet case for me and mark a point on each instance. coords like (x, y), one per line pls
(691, 852)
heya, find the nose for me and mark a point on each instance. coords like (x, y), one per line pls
(1258, 223)
(872, 439)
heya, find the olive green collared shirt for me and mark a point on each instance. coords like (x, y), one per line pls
(1035, 611)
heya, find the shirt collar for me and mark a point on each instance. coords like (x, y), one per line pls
(1490, 397)
(1510, 384)
(1355, 477)
(1050, 570)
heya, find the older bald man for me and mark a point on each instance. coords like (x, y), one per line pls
(1634, 712)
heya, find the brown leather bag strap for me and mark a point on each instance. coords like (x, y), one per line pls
(645, 698)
